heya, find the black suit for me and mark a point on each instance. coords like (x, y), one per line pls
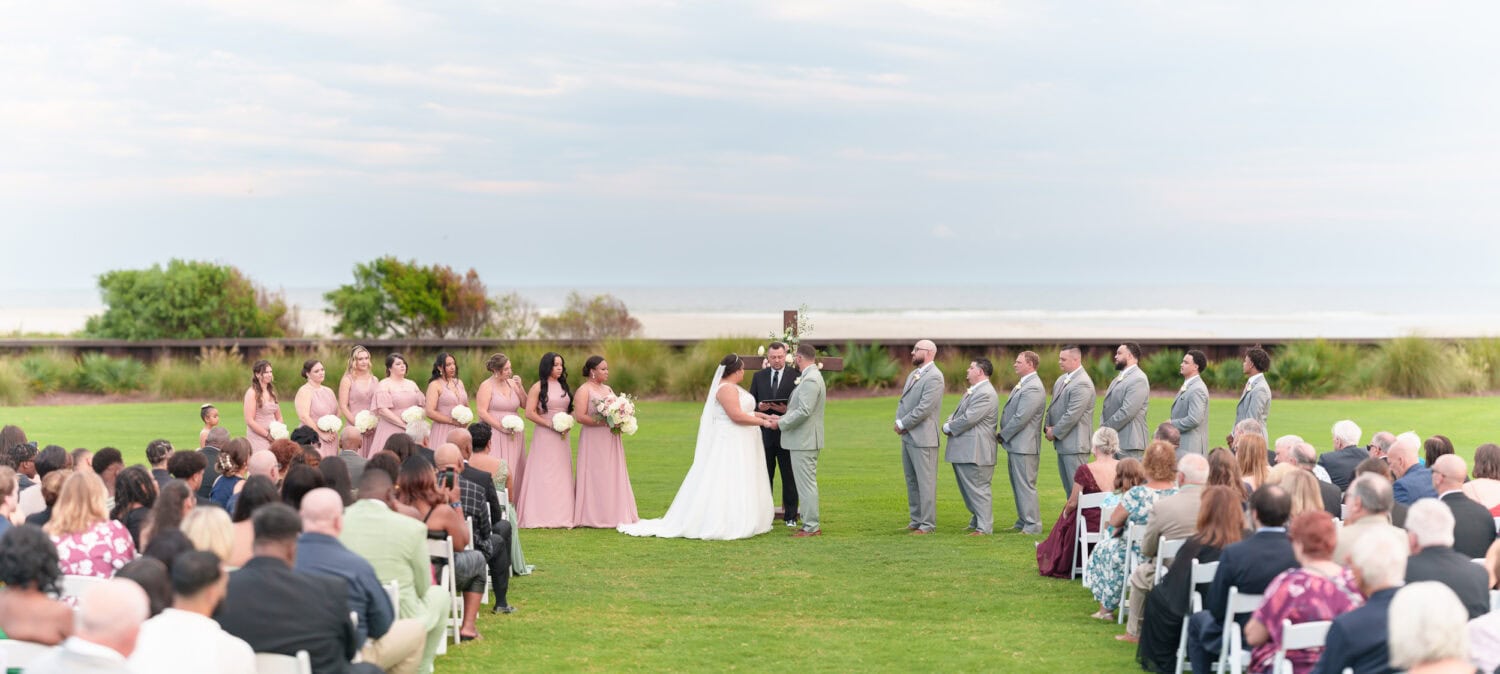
(1249, 565)
(1445, 565)
(1340, 464)
(1333, 499)
(212, 472)
(277, 610)
(1473, 525)
(1398, 515)
(760, 389)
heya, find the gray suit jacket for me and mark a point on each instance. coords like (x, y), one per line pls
(1021, 421)
(1255, 403)
(1190, 416)
(1071, 414)
(918, 409)
(973, 427)
(1125, 408)
(802, 425)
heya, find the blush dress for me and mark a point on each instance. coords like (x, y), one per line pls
(546, 500)
(361, 398)
(603, 498)
(447, 400)
(396, 402)
(511, 449)
(265, 415)
(324, 402)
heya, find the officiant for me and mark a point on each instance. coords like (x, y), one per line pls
(771, 387)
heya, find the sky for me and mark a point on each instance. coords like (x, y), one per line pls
(609, 143)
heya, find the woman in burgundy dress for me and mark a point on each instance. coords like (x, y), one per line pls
(1054, 557)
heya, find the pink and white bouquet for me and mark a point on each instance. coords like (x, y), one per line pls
(462, 415)
(366, 421)
(617, 412)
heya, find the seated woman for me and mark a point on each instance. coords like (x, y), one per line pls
(1427, 634)
(1250, 452)
(88, 542)
(418, 487)
(234, 467)
(1054, 556)
(1485, 487)
(1318, 590)
(29, 571)
(1220, 523)
(258, 491)
(1303, 488)
(135, 495)
(1157, 478)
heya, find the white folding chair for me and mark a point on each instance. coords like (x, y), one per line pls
(484, 597)
(1133, 535)
(1201, 573)
(75, 586)
(1086, 538)
(276, 663)
(1166, 550)
(19, 654)
(1232, 653)
(1295, 637)
(1497, 525)
(1494, 600)
(444, 550)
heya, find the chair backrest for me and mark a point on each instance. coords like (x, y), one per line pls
(1166, 548)
(76, 586)
(1203, 572)
(1297, 636)
(1494, 600)
(1497, 525)
(469, 522)
(1094, 501)
(1238, 603)
(276, 663)
(1134, 533)
(441, 548)
(18, 654)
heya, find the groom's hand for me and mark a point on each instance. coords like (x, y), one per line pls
(763, 406)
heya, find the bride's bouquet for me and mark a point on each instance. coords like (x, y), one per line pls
(278, 431)
(329, 423)
(413, 414)
(462, 415)
(617, 412)
(562, 422)
(512, 423)
(366, 421)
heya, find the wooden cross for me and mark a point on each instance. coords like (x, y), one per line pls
(789, 324)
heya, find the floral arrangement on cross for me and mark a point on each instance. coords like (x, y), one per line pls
(792, 335)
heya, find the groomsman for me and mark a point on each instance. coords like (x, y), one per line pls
(1190, 409)
(1126, 400)
(775, 382)
(1255, 402)
(1070, 416)
(971, 445)
(1021, 435)
(917, 424)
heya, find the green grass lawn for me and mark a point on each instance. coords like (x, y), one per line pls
(863, 596)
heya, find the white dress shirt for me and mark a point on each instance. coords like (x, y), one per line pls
(183, 641)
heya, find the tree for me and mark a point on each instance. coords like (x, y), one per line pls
(189, 299)
(405, 299)
(514, 317)
(599, 317)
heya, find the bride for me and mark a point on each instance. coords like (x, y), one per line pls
(726, 494)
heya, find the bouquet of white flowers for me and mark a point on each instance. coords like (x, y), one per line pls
(413, 413)
(462, 415)
(629, 426)
(512, 423)
(562, 422)
(278, 431)
(330, 423)
(615, 411)
(366, 421)
(420, 427)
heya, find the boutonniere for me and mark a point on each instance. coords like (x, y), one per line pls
(1183, 389)
(796, 381)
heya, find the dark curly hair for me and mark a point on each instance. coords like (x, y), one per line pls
(298, 481)
(28, 559)
(258, 491)
(386, 461)
(133, 486)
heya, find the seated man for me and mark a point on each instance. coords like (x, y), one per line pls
(186, 632)
(109, 619)
(1413, 480)
(1346, 455)
(277, 610)
(1368, 503)
(1429, 526)
(493, 539)
(350, 441)
(1357, 639)
(1473, 526)
(190, 467)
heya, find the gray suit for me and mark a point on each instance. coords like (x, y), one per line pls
(1021, 434)
(1125, 406)
(802, 436)
(1255, 403)
(972, 451)
(1190, 416)
(1071, 416)
(917, 414)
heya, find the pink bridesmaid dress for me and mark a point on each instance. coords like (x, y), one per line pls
(447, 400)
(324, 402)
(603, 499)
(396, 402)
(547, 494)
(265, 415)
(511, 449)
(362, 397)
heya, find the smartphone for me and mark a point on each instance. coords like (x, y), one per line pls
(447, 479)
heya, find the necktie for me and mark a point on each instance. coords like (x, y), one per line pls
(775, 381)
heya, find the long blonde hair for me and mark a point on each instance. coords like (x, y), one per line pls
(80, 505)
(210, 530)
(1306, 497)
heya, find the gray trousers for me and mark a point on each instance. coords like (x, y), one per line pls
(1067, 464)
(1137, 454)
(805, 474)
(920, 466)
(974, 485)
(1023, 472)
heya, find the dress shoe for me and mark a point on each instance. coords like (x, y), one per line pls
(911, 527)
(918, 532)
(503, 609)
(791, 523)
(978, 533)
(1128, 637)
(1033, 532)
(807, 534)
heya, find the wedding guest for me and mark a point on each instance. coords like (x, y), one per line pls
(1250, 452)
(107, 464)
(1368, 508)
(445, 391)
(210, 530)
(300, 480)
(1474, 526)
(602, 498)
(1427, 629)
(157, 453)
(1413, 480)
(218, 439)
(1380, 444)
(418, 488)
(30, 575)
(546, 499)
(210, 417)
(464, 442)
(109, 619)
(1220, 523)
(502, 395)
(173, 503)
(1056, 554)
(1172, 518)
(393, 397)
(1305, 458)
(401, 445)
(315, 401)
(285, 452)
(1224, 471)
(357, 394)
(1347, 454)
(258, 491)
(81, 459)
(185, 632)
(1304, 490)
(31, 501)
(1484, 488)
(22, 457)
(261, 406)
(51, 487)
(489, 536)
(150, 574)
(1318, 589)
(336, 477)
(1129, 474)
(190, 467)
(1434, 447)
(1397, 513)
(1357, 640)
(88, 542)
(10, 436)
(385, 461)
(1107, 565)
(135, 494)
(350, 443)
(234, 467)
(1246, 426)
(1484, 631)
(484, 459)
(1169, 434)
(8, 514)
(1429, 526)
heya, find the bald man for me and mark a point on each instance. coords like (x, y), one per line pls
(109, 621)
(1473, 526)
(917, 423)
(263, 463)
(350, 440)
(491, 536)
(464, 441)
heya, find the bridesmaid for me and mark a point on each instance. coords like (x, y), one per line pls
(315, 401)
(261, 406)
(547, 492)
(357, 393)
(392, 397)
(445, 391)
(501, 395)
(603, 498)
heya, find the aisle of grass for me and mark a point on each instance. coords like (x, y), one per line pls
(863, 596)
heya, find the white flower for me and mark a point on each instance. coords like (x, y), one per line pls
(418, 428)
(629, 426)
(760, 350)
(796, 381)
(366, 421)
(413, 413)
(462, 415)
(329, 423)
(278, 431)
(513, 423)
(562, 422)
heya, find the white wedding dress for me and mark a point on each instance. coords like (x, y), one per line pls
(726, 494)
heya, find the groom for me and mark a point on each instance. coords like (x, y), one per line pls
(802, 436)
